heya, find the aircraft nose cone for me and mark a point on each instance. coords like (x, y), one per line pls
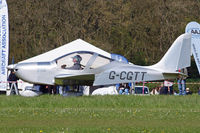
(12, 66)
(16, 69)
(20, 70)
(25, 71)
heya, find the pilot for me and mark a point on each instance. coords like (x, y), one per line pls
(77, 65)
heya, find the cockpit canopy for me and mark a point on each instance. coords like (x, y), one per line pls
(93, 60)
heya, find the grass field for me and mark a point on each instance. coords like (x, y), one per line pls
(87, 114)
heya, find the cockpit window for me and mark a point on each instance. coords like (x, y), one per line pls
(67, 61)
(100, 61)
(91, 60)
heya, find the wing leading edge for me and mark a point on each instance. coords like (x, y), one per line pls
(82, 79)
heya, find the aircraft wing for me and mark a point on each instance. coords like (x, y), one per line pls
(69, 79)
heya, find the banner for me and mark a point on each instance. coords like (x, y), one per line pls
(168, 83)
(4, 45)
(194, 28)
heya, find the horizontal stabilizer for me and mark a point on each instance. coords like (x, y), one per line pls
(174, 75)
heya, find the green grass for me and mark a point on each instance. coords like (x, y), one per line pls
(139, 114)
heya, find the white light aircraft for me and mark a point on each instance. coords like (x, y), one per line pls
(98, 68)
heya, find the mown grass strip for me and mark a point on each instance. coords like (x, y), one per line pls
(100, 114)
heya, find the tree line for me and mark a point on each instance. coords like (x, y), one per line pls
(142, 30)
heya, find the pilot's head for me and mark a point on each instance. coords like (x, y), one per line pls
(77, 59)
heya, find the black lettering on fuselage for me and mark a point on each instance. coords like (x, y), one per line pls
(123, 75)
(127, 75)
(136, 74)
(112, 75)
(143, 75)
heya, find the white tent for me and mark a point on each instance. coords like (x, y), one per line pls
(77, 45)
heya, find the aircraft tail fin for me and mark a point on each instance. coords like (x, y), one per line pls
(178, 56)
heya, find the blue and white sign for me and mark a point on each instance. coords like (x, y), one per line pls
(4, 45)
(194, 28)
